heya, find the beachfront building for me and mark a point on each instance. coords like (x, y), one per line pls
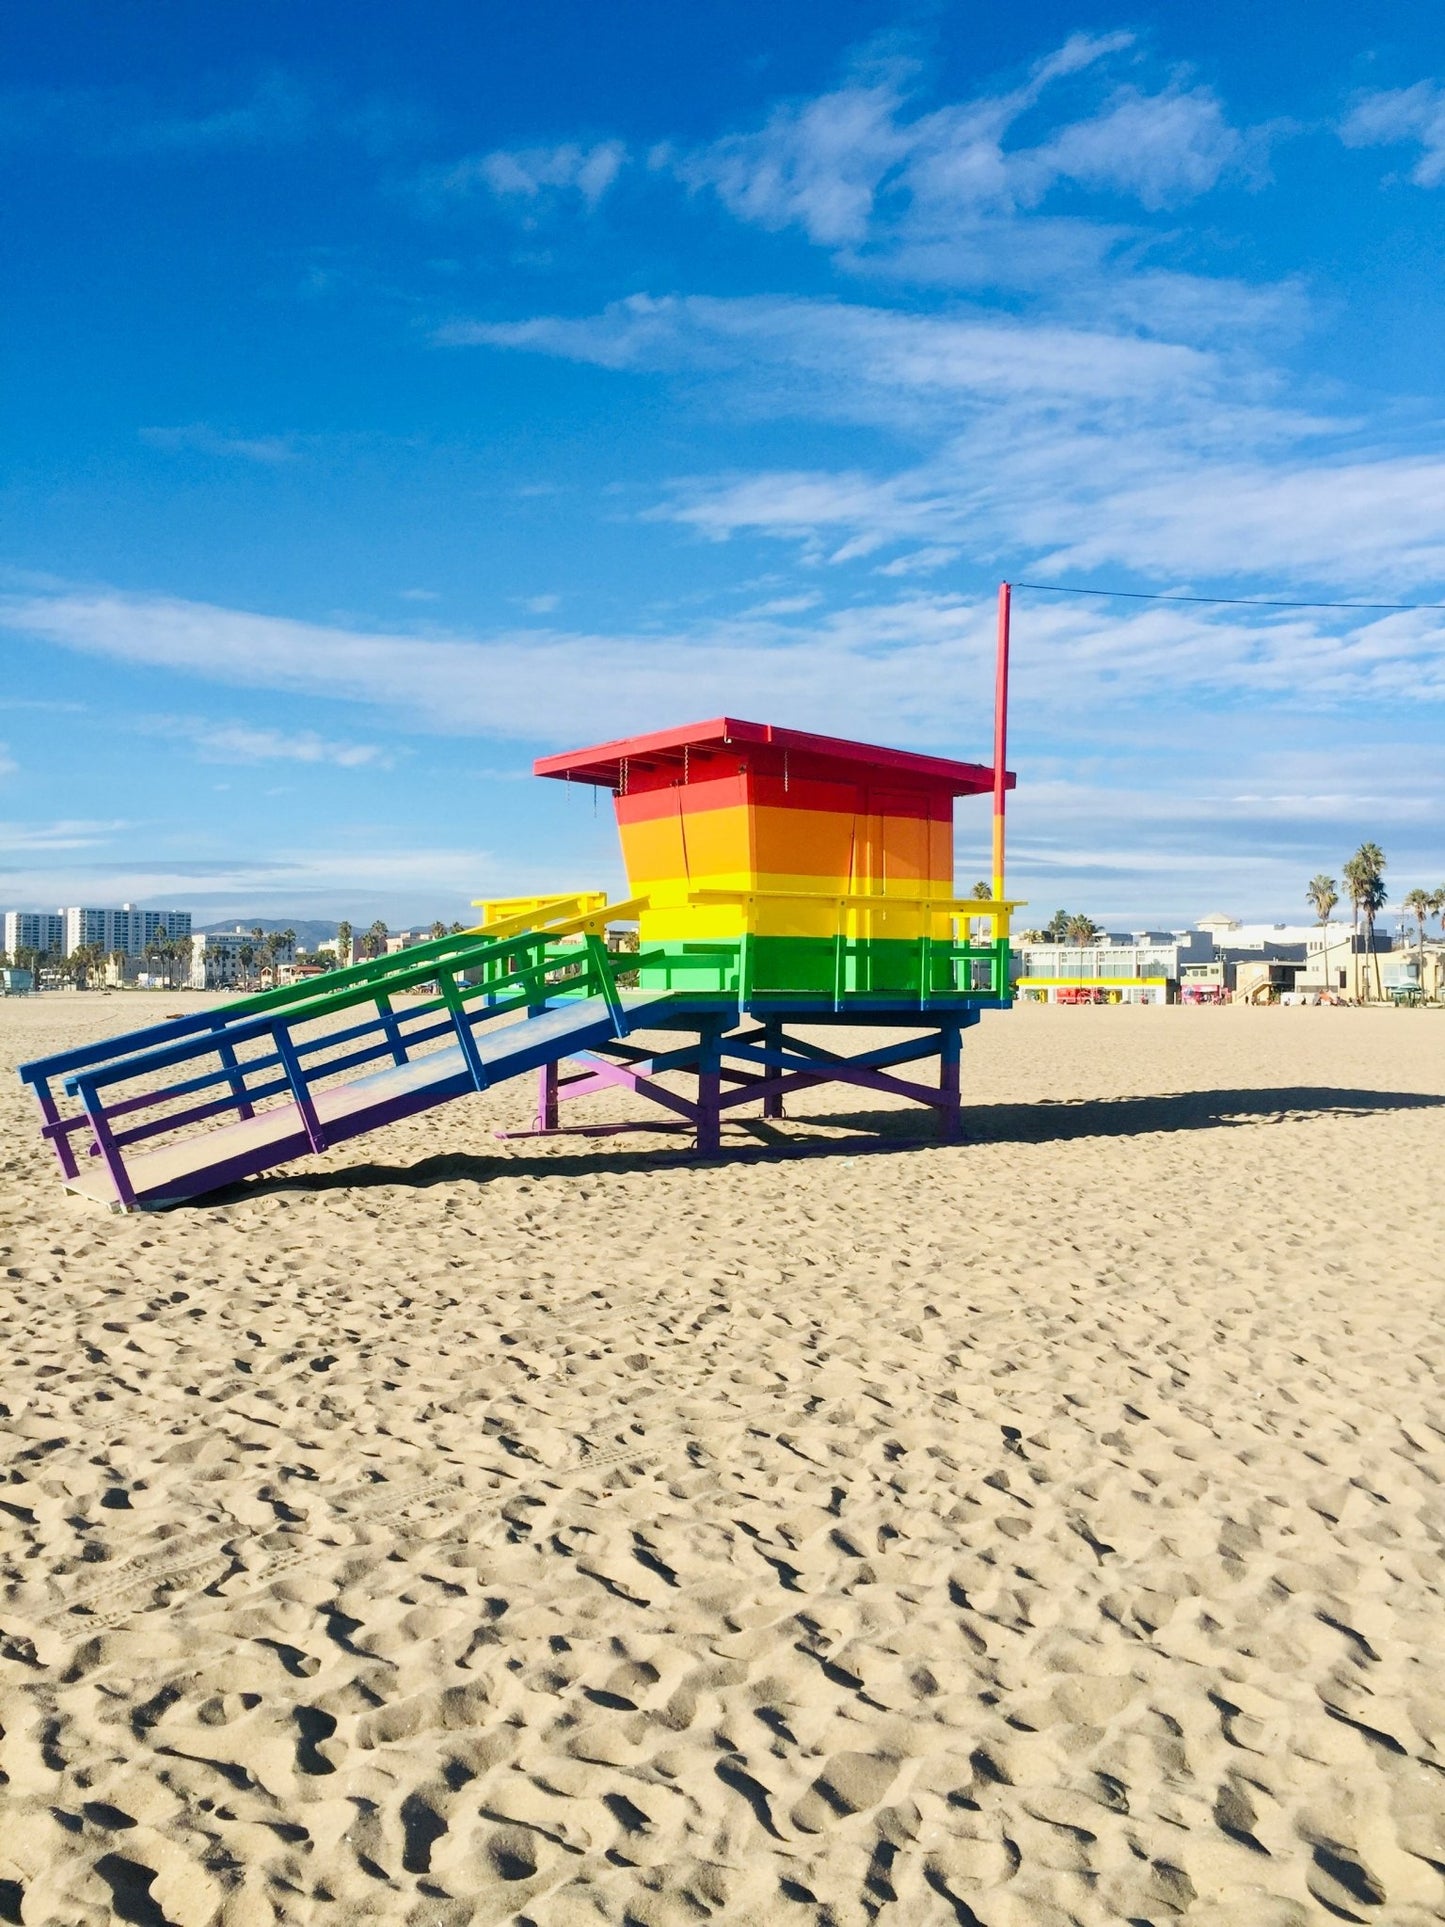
(125, 929)
(1119, 967)
(1331, 957)
(306, 964)
(1342, 960)
(40, 930)
(224, 959)
(1409, 973)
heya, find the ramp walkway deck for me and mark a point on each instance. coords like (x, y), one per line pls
(224, 1094)
(230, 1152)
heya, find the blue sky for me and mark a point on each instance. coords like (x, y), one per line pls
(396, 394)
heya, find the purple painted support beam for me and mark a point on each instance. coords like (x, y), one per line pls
(856, 1074)
(773, 1041)
(106, 1146)
(950, 1058)
(709, 1094)
(60, 1135)
(600, 1075)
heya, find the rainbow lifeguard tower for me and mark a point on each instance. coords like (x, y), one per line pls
(784, 864)
(796, 925)
(794, 880)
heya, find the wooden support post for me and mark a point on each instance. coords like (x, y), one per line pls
(236, 1078)
(547, 1099)
(461, 1023)
(105, 1143)
(709, 1093)
(773, 1039)
(50, 1111)
(605, 981)
(390, 1026)
(296, 1078)
(950, 1057)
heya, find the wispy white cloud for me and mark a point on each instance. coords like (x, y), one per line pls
(817, 165)
(1400, 116)
(1354, 524)
(1079, 504)
(526, 176)
(8, 764)
(785, 605)
(919, 562)
(1101, 693)
(856, 165)
(852, 361)
(1070, 447)
(68, 833)
(277, 111)
(244, 743)
(912, 668)
(199, 438)
(1160, 149)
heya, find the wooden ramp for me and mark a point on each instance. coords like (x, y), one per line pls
(228, 1152)
(187, 1106)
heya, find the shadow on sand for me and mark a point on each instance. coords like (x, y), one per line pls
(1049, 1121)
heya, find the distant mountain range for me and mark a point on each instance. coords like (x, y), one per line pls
(310, 931)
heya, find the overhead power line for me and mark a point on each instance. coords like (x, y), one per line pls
(1220, 601)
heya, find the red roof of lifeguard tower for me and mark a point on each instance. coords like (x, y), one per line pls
(613, 765)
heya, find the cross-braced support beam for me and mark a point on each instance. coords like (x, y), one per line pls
(761, 1063)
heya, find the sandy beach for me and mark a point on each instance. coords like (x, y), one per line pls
(1038, 1530)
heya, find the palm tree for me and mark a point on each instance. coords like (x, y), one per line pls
(343, 943)
(1420, 905)
(374, 942)
(438, 929)
(82, 961)
(1080, 929)
(1323, 893)
(1365, 880)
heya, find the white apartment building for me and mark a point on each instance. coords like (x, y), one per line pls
(217, 962)
(125, 929)
(42, 930)
(1133, 967)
